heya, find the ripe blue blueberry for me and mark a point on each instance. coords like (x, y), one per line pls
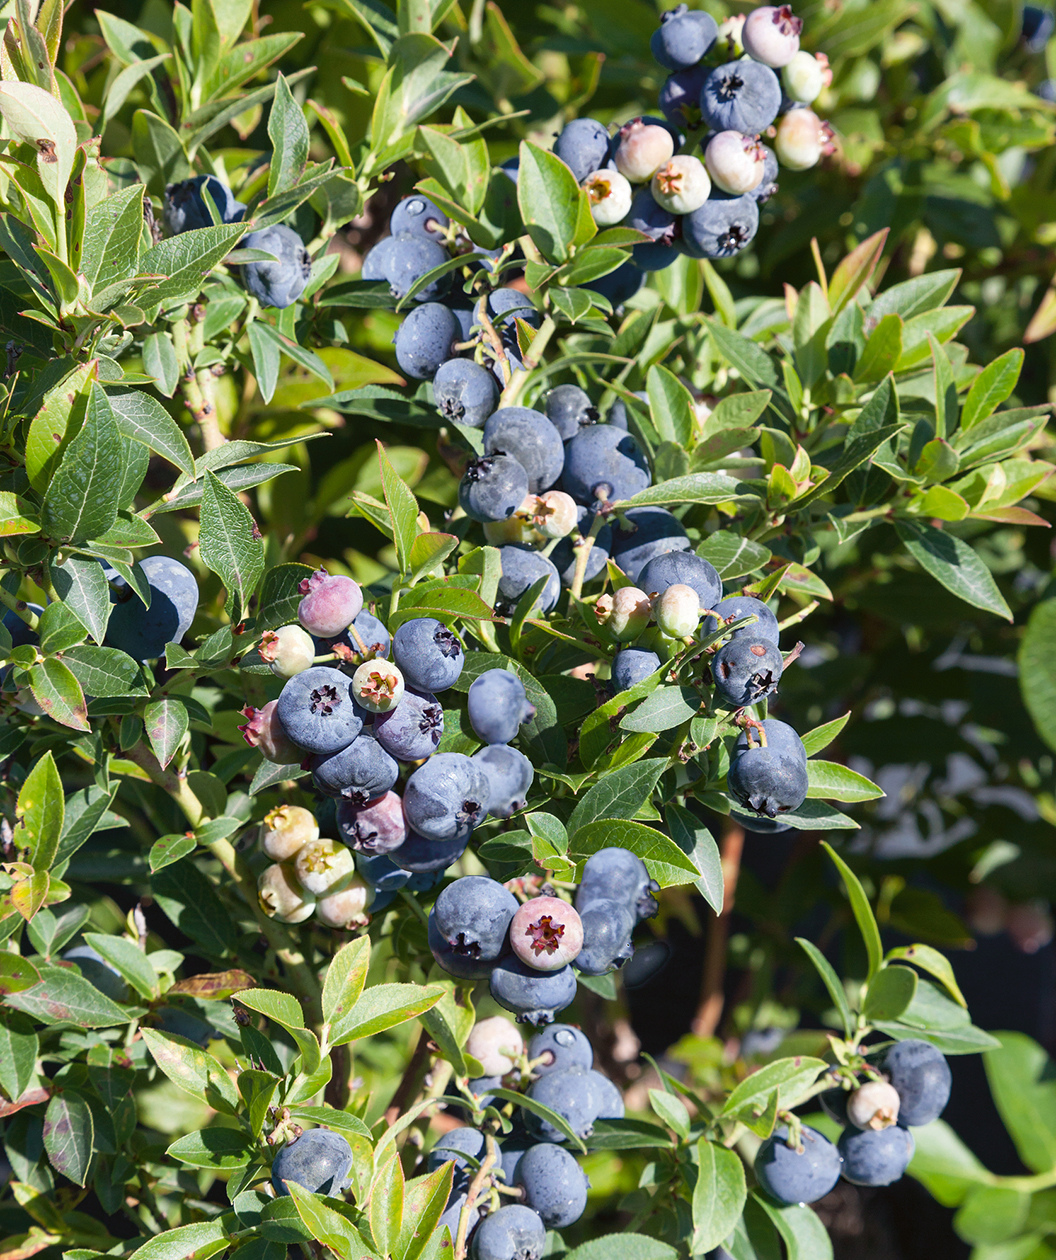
(454, 1145)
(607, 927)
(685, 568)
(1038, 25)
(564, 554)
(514, 1232)
(647, 216)
(722, 226)
(497, 705)
(465, 392)
(319, 1160)
(531, 439)
(473, 915)
(452, 1214)
(583, 146)
(554, 1184)
(281, 282)
(446, 797)
(507, 304)
(419, 215)
(376, 827)
(422, 856)
(371, 635)
(746, 670)
(570, 1093)
(793, 1176)
(359, 773)
(768, 781)
(875, 1157)
(144, 632)
(408, 259)
(767, 186)
(757, 824)
(921, 1077)
(429, 654)
(533, 996)
(604, 463)
(492, 488)
(521, 569)
(652, 256)
(318, 712)
(386, 878)
(185, 205)
(424, 340)
(616, 874)
(559, 1047)
(510, 775)
(569, 409)
(376, 260)
(742, 96)
(683, 37)
(618, 286)
(98, 972)
(738, 606)
(453, 960)
(834, 1104)
(781, 739)
(632, 665)
(644, 532)
(512, 1149)
(413, 729)
(608, 1101)
(679, 98)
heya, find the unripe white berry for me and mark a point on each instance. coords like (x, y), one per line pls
(497, 1044)
(873, 1105)
(735, 162)
(631, 610)
(803, 77)
(288, 651)
(378, 685)
(800, 140)
(730, 32)
(610, 195)
(681, 185)
(554, 514)
(677, 611)
(281, 896)
(347, 906)
(286, 830)
(324, 865)
(642, 149)
(771, 35)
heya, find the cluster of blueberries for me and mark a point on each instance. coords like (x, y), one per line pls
(530, 952)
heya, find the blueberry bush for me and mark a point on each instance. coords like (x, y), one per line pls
(517, 549)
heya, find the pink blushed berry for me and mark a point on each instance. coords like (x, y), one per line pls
(735, 162)
(631, 610)
(546, 933)
(330, 604)
(642, 149)
(497, 1044)
(346, 907)
(771, 35)
(263, 730)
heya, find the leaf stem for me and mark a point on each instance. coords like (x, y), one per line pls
(583, 554)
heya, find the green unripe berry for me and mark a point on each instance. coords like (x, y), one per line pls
(677, 611)
(281, 896)
(286, 830)
(323, 865)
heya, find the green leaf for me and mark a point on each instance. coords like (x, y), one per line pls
(104, 671)
(384, 1006)
(821, 737)
(882, 350)
(666, 862)
(929, 959)
(991, 388)
(56, 689)
(804, 1235)
(82, 499)
(831, 981)
(386, 1203)
(288, 133)
(831, 781)
(732, 556)
(190, 901)
(625, 1246)
(187, 1240)
(185, 261)
(890, 992)
(719, 1195)
(145, 420)
(619, 794)
(160, 361)
(1023, 1084)
(527, 1103)
(19, 1047)
(14, 516)
(1037, 669)
(694, 488)
(169, 849)
(230, 544)
(697, 842)
(855, 454)
(69, 1135)
(213, 1148)
(914, 297)
(555, 210)
(192, 1069)
(129, 960)
(41, 810)
(166, 722)
(37, 118)
(863, 912)
(672, 1111)
(954, 564)
(666, 707)
(752, 361)
(281, 1007)
(82, 586)
(327, 1226)
(994, 1214)
(670, 406)
(64, 997)
(403, 509)
(345, 978)
(793, 1076)
(425, 1199)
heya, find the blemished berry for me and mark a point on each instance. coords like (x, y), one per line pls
(618, 286)
(683, 37)
(583, 146)
(644, 532)
(873, 1105)
(496, 1044)
(608, 1101)
(730, 30)
(510, 776)
(98, 972)
(565, 553)
(721, 227)
(546, 933)
(419, 215)
(921, 1077)
(875, 1157)
(474, 914)
(569, 409)
(679, 98)
(186, 208)
(677, 611)
(446, 797)
(604, 463)
(497, 705)
(318, 711)
(263, 730)
(607, 928)
(408, 259)
(781, 739)
(370, 636)
(630, 666)
(465, 392)
(492, 487)
(329, 604)
(681, 185)
(425, 339)
(359, 773)
(530, 438)
(321, 865)
(569, 1092)
(746, 670)
(683, 567)
(281, 281)
(376, 827)
(378, 685)
(554, 1184)
(738, 606)
(559, 1047)
(800, 140)
(429, 654)
(287, 651)
(521, 569)
(413, 730)
(735, 162)
(742, 96)
(452, 1148)
(144, 632)
(648, 216)
(609, 193)
(422, 856)
(797, 1176)
(286, 829)
(617, 875)
(767, 186)
(803, 77)
(768, 781)
(281, 896)
(319, 1160)
(533, 996)
(347, 906)
(629, 615)
(514, 1232)
(771, 35)
(640, 149)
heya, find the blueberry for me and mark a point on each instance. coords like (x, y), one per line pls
(768, 781)
(662, 571)
(531, 439)
(452, 1214)
(771, 35)
(280, 282)
(874, 1105)
(424, 340)
(792, 1176)
(492, 488)
(286, 829)
(616, 874)
(677, 611)
(346, 906)
(742, 96)
(497, 706)
(758, 824)
(735, 163)
(607, 928)
(554, 1184)
(144, 632)
(376, 827)
(521, 569)
(263, 730)
(679, 98)
(834, 1104)
(546, 933)
(608, 1101)
(280, 895)
(317, 710)
(781, 739)
(570, 1093)
(564, 554)
(465, 392)
(453, 1145)
(681, 185)
(683, 37)
(506, 304)
(651, 256)
(319, 1160)
(604, 463)
(421, 856)
(413, 729)
(321, 865)
(533, 996)
(420, 216)
(737, 606)
(98, 972)
(921, 1077)
(583, 146)
(378, 685)
(510, 775)
(473, 915)
(511, 1151)
(875, 1157)
(453, 960)
(513, 1232)
(647, 216)
(359, 773)
(446, 797)
(804, 78)
(371, 633)
(429, 654)
(287, 650)
(408, 259)
(610, 196)
(722, 226)
(644, 532)
(560, 1046)
(746, 670)
(640, 148)
(767, 186)
(496, 1044)
(630, 666)
(569, 409)
(618, 286)
(386, 878)
(329, 604)
(185, 206)
(1038, 25)
(801, 139)
(376, 261)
